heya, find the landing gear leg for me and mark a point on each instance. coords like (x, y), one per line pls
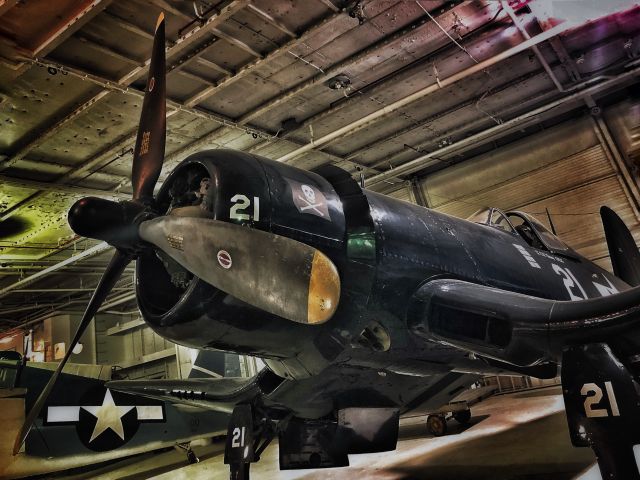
(239, 471)
(462, 417)
(191, 455)
(437, 425)
(248, 434)
(602, 402)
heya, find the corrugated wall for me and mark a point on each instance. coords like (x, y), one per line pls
(565, 169)
(133, 350)
(403, 192)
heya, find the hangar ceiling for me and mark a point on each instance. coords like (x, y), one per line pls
(456, 105)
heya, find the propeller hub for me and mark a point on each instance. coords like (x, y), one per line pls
(113, 222)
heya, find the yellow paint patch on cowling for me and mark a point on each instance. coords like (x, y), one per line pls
(324, 289)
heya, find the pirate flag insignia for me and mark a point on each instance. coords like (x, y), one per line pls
(309, 199)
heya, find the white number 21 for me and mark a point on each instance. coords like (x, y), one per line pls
(240, 204)
(592, 401)
(238, 437)
(576, 292)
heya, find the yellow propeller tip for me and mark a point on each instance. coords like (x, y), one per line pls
(324, 289)
(160, 20)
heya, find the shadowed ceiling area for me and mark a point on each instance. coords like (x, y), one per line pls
(456, 105)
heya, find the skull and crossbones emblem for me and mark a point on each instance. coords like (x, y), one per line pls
(310, 200)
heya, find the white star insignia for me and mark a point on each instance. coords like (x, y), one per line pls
(109, 416)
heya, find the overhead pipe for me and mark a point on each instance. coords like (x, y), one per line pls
(61, 310)
(61, 187)
(342, 65)
(64, 290)
(417, 163)
(117, 301)
(523, 31)
(90, 252)
(443, 83)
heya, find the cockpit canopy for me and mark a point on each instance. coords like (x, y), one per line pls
(524, 225)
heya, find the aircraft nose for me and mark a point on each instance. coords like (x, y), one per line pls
(93, 217)
(112, 222)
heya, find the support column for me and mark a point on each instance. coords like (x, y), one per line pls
(627, 179)
(418, 193)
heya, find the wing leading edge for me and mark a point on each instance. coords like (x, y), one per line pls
(519, 329)
(219, 394)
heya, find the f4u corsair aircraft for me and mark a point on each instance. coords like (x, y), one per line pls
(363, 307)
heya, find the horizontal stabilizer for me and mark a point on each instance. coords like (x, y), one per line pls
(625, 257)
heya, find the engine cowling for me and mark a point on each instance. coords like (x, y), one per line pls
(244, 189)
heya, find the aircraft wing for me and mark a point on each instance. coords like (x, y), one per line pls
(519, 329)
(219, 394)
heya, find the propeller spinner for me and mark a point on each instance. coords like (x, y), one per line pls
(271, 272)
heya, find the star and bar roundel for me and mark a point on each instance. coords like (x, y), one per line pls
(105, 419)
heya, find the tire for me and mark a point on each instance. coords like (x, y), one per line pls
(462, 417)
(315, 460)
(437, 425)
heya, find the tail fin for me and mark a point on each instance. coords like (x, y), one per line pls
(625, 257)
(208, 364)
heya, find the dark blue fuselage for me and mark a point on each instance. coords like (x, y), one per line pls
(385, 249)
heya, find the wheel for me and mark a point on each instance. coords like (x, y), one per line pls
(437, 425)
(462, 417)
(315, 460)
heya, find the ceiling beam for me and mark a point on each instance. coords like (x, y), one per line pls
(181, 43)
(168, 7)
(377, 115)
(399, 34)
(237, 43)
(425, 122)
(243, 71)
(126, 141)
(523, 31)
(517, 122)
(385, 82)
(330, 4)
(337, 68)
(194, 35)
(195, 55)
(127, 25)
(6, 5)
(214, 66)
(93, 44)
(270, 20)
(90, 252)
(62, 188)
(72, 21)
(196, 77)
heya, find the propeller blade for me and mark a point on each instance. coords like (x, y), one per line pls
(271, 272)
(109, 278)
(149, 151)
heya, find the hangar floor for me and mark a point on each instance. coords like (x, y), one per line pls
(522, 435)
